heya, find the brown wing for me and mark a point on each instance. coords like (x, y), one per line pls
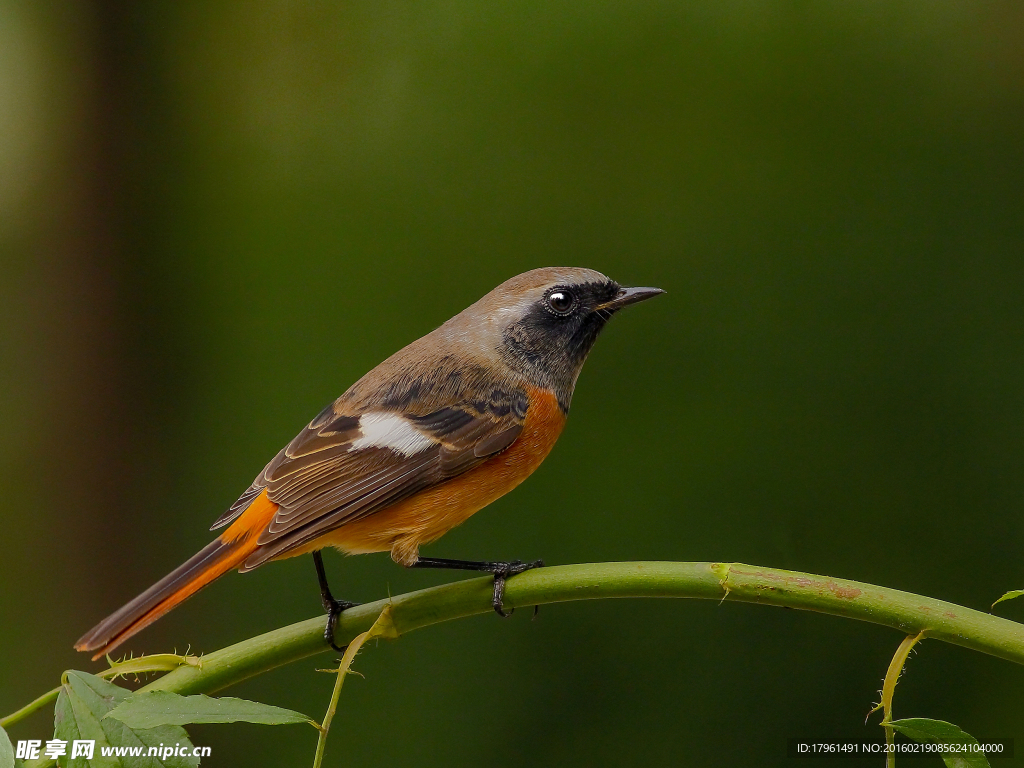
(336, 470)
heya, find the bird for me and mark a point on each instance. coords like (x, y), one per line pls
(436, 432)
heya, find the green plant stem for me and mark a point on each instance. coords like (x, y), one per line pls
(158, 663)
(47, 698)
(902, 611)
(321, 741)
(382, 627)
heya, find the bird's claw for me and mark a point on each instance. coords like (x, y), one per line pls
(505, 571)
(334, 609)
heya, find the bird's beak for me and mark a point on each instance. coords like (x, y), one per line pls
(630, 296)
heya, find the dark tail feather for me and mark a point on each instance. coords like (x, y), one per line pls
(214, 560)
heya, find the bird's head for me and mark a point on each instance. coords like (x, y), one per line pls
(543, 323)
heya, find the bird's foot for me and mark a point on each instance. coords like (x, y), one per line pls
(334, 609)
(503, 571)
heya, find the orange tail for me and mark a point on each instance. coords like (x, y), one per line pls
(225, 552)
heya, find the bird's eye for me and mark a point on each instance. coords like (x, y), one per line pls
(561, 301)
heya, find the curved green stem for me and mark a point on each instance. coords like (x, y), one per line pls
(903, 611)
(161, 662)
(47, 698)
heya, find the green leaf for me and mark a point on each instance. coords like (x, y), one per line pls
(82, 706)
(1008, 596)
(6, 750)
(73, 720)
(153, 708)
(940, 732)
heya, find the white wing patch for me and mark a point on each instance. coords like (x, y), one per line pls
(389, 430)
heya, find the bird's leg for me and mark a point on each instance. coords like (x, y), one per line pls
(501, 571)
(332, 606)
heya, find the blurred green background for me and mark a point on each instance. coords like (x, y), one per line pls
(215, 217)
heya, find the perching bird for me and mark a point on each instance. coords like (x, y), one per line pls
(433, 434)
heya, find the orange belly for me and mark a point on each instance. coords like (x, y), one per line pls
(429, 514)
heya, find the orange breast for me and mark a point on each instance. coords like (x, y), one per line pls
(422, 518)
